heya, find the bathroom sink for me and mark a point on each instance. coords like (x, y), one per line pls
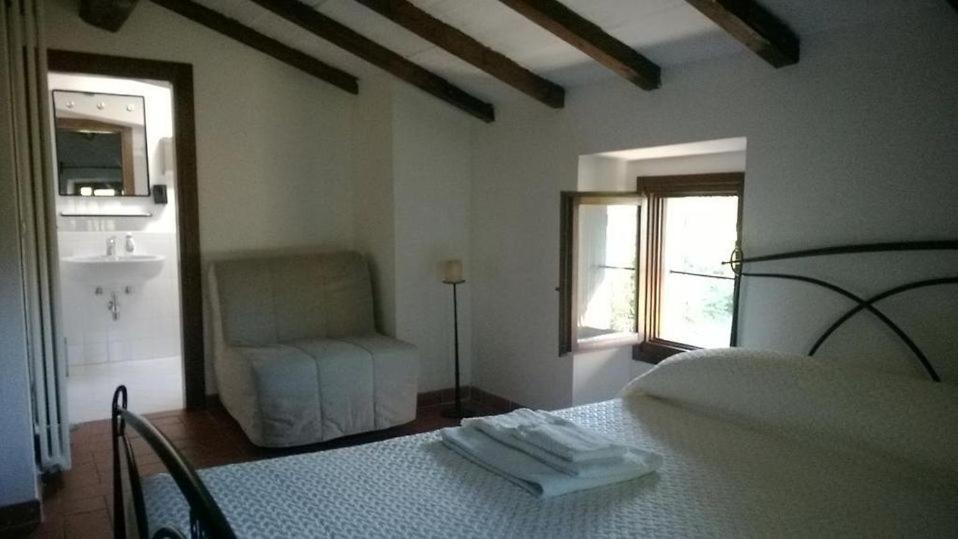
(104, 269)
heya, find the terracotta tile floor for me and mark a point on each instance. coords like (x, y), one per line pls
(78, 503)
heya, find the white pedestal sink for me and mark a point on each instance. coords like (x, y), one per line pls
(103, 269)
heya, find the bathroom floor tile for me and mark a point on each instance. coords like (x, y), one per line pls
(155, 385)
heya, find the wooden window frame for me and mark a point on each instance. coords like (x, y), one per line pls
(656, 190)
(568, 277)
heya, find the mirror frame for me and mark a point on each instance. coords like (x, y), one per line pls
(126, 136)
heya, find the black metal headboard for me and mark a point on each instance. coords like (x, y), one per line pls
(206, 518)
(738, 263)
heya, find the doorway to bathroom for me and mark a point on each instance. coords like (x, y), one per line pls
(124, 181)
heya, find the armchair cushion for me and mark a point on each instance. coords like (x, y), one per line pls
(269, 300)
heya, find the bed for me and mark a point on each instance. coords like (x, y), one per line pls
(753, 443)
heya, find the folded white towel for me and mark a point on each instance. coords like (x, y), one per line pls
(528, 472)
(596, 467)
(515, 419)
(570, 441)
(553, 434)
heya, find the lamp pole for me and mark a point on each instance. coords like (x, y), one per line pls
(455, 333)
(457, 412)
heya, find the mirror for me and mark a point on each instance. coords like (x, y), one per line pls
(100, 144)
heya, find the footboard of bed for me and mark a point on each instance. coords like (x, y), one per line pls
(206, 518)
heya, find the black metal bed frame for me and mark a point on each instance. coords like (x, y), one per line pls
(206, 518)
(738, 262)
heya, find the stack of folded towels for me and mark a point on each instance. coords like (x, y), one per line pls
(546, 454)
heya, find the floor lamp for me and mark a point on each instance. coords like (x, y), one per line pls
(452, 275)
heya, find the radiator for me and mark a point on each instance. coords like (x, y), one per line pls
(24, 54)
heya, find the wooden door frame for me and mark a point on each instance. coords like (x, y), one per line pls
(180, 76)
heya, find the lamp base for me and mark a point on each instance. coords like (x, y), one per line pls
(461, 412)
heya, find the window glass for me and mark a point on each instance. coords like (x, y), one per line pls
(606, 270)
(699, 233)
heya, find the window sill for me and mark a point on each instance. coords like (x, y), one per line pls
(621, 340)
(655, 351)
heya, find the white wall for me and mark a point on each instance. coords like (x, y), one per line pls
(519, 168)
(431, 152)
(373, 198)
(149, 320)
(412, 165)
(598, 173)
(856, 143)
(687, 164)
(148, 324)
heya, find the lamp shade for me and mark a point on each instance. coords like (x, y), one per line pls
(452, 271)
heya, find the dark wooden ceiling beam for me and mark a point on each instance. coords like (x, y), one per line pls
(456, 42)
(106, 14)
(374, 53)
(755, 27)
(590, 39)
(231, 28)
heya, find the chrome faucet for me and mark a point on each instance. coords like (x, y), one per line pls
(129, 245)
(113, 306)
(111, 246)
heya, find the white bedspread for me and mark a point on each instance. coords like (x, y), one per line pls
(718, 478)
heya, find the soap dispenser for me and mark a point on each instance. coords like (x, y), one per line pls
(129, 246)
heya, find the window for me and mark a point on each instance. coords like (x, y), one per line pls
(659, 283)
(693, 225)
(600, 270)
(696, 288)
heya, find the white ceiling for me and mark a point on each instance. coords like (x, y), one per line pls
(669, 32)
(725, 145)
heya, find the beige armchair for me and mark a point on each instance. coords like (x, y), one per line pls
(296, 355)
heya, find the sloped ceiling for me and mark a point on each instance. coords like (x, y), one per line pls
(668, 32)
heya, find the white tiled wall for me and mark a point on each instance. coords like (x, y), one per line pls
(148, 322)
(148, 325)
